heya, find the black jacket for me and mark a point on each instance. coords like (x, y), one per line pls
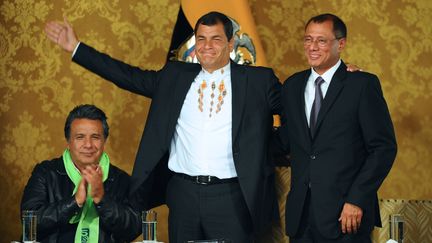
(349, 156)
(49, 192)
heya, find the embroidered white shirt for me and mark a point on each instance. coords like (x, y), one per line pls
(202, 144)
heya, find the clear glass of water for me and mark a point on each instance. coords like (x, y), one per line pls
(396, 222)
(149, 224)
(29, 223)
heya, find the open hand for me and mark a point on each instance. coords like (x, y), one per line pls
(353, 67)
(93, 175)
(81, 193)
(62, 34)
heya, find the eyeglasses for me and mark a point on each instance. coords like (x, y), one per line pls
(322, 42)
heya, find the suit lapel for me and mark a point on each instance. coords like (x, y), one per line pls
(333, 91)
(239, 82)
(301, 109)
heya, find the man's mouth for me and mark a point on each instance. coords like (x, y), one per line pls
(314, 56)
(88, 154)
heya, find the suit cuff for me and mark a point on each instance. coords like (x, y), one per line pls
(76, 48)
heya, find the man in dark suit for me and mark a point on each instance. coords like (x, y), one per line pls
(204, 150)
(339, 134)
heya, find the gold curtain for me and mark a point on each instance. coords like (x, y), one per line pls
(39, 85)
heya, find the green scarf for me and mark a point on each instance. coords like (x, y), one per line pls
(88, 219)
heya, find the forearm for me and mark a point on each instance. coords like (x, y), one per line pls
(274, 94)
(51, 216)
(369, 179)
(121, 74)
(119, 218)
(52, 212)
(278, 150)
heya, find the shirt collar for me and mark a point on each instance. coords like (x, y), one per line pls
(327, 75)
(221, 71)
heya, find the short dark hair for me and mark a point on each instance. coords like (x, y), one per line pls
(86, 111)
(214, 18)
(339, 27)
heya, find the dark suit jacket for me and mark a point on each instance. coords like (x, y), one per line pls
(255, 97)
(352, 151)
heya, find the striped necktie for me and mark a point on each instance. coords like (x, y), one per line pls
(316, 104)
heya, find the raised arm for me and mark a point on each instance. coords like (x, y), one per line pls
(123, 75)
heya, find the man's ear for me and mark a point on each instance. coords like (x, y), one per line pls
(341, 45)
(231, 44)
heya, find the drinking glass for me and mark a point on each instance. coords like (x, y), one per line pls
(149, 224)
(29, 223)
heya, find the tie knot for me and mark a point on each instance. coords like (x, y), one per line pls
(319, 81)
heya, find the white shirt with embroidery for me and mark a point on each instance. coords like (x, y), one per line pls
(202, 142)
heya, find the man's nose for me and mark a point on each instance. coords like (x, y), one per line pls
(314, 45)
(208, 44)
(88, 143)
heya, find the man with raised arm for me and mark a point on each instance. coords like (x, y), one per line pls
(205, 147)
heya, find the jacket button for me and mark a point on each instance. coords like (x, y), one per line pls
(313, 157)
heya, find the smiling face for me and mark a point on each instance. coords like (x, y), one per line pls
(86, 142)
(212, 46)
(324, 50)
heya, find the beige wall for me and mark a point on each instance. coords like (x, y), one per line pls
(39, 85)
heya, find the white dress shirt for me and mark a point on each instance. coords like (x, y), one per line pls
(202, 144)
(309, 93)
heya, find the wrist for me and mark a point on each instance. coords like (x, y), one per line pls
(98, 195)
(76, 45)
